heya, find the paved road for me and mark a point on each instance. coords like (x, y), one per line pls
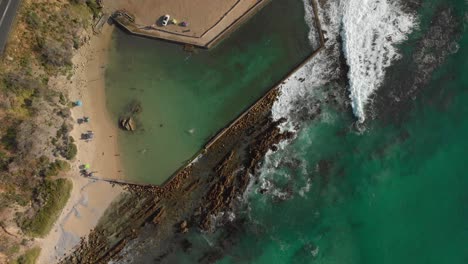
(8, 10)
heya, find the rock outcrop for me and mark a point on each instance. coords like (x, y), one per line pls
(183, 227)
(127, 123)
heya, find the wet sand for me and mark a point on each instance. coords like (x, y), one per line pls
(89, 198)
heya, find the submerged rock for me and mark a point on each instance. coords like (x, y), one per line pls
(129, 115)
(127, 123)
(183, 228)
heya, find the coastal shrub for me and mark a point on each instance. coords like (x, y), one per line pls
(64, 113)
(30, 256)
(21, 81)
(52, 196)
(17, 189)
(54, 168)
(55, 53)
(95, 9)
(25, 62)
(76, 42)
(79, 2)
(70, 151)
(62, 132)
(8, 140)
(33, 20)
(13, 249)
(4, 161)
(62, 99)
(51, 169)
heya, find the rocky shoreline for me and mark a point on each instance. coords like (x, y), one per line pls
(195, 195)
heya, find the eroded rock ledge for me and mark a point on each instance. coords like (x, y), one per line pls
(194, 196)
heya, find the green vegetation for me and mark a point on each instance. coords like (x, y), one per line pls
(35, 116)
(3, 160)
(8, 139)
(13, 249)
(65, 144)
(94, 7)
(55, 53)
(33, 20)
(53, 195)
(54, 168)
(71, 151)
(29, 257)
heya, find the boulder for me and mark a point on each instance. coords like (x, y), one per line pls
(183, 227)
(127, 123)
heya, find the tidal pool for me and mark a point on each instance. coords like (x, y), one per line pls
(186, 98)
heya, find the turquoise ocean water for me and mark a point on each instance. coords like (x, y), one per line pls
(394, 193)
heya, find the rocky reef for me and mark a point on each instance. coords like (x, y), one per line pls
(195, 195)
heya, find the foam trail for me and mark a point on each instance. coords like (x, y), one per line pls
(310, 21)
(296, 94)
(300, 90)
(371, 28)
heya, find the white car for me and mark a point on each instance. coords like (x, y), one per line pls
(165, 20)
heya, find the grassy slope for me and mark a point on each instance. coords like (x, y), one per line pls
(29, 257)
(55, 194)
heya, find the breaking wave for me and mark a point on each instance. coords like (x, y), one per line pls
(296, 98)
(300, 88)
(370, 31)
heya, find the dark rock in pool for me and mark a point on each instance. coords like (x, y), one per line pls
(127, 123)
(186, 245)
(135, 107)
(183, 228)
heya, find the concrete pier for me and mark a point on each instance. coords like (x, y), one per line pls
(201, 24)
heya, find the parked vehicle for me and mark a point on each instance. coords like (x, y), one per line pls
(165, 20)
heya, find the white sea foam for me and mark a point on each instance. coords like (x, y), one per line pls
(299, 90)
(371, 29)
(315, 73)
(310, 21)
(196, 159)
(305, 189)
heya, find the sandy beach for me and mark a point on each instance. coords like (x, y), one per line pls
(89, 198)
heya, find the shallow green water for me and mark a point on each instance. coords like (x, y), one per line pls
(187, 98)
